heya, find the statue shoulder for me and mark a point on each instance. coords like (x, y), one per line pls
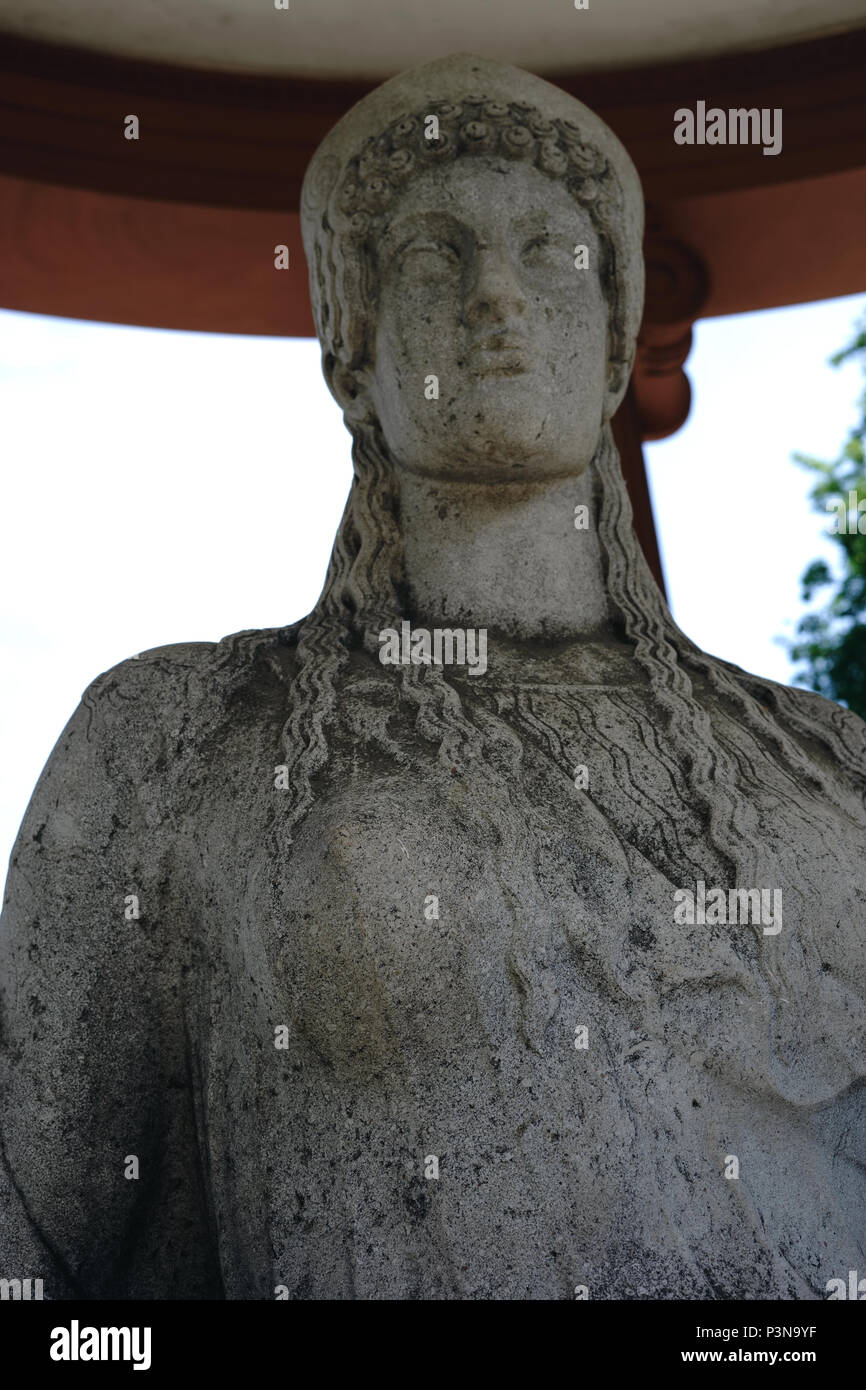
(142, 723)
(129, 712)
(189, 683)
(160, 667)
(828, 732)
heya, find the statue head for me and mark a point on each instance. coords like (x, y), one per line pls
(474, 237)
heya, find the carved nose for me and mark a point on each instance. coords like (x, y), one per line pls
(495, 295)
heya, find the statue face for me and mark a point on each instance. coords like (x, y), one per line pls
(478, 288)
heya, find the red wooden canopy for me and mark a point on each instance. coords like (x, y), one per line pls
(177, 229)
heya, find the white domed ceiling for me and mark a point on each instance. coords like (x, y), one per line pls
(373, 38)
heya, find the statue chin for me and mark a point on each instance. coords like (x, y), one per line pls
(498, 461)
(489, 440)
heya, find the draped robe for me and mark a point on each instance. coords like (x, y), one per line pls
(287, 1034)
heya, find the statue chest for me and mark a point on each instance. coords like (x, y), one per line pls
(428, 917)
(474, 1013)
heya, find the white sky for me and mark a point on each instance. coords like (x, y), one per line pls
(167, 487)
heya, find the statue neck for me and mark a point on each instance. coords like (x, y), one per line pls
(507, 557)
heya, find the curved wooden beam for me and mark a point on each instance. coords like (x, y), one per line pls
(677, 290)
(178, 229)
(244, 141)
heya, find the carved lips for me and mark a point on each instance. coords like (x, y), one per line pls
(498, 354)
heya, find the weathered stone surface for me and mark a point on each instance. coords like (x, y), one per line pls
(396, 872)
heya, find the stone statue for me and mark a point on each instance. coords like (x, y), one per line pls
(477, 936)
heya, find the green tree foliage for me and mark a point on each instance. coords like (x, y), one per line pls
(831, 641)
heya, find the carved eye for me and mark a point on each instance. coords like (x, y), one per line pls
(540, 250)
(429, 257)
